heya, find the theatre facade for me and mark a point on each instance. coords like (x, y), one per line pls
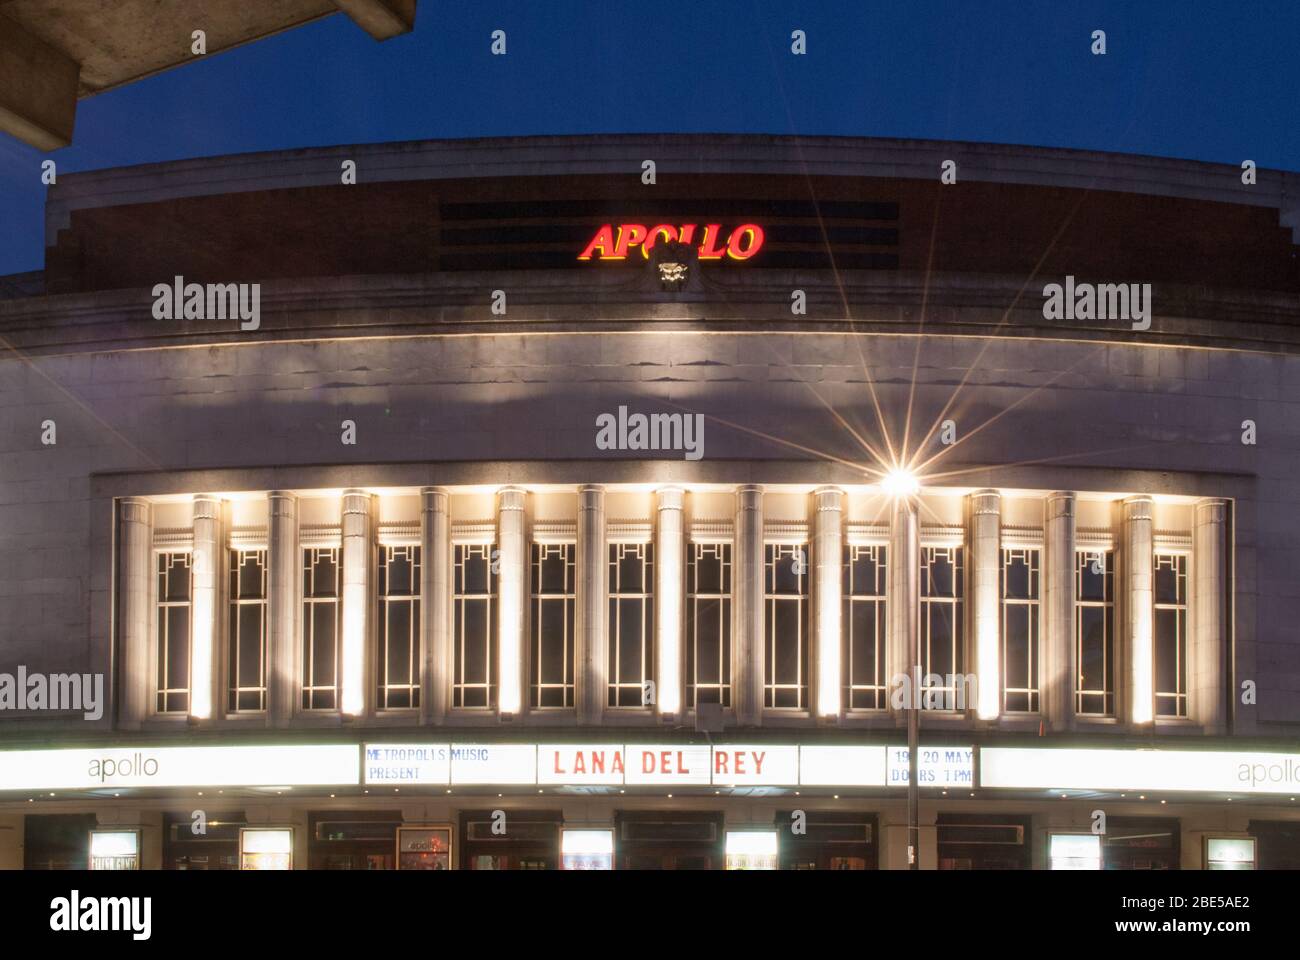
(573, 503)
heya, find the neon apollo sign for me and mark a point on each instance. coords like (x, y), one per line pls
(617, 241)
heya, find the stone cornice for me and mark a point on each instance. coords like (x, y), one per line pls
(551, 302)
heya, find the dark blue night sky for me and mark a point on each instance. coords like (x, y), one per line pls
(1216, 81)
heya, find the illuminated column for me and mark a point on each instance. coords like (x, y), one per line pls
(356, 600)
(827, 589)
(203, 604)
(985, 540)
(135, 518)
(747, 600)
(435, 603)
(904, 593)
(511, 580)
(1139, 614)
(1209, 625)
(590, 623)
(283, 572)
(670, 549)
(1058, 669)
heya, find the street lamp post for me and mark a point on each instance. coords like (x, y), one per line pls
(907, 561)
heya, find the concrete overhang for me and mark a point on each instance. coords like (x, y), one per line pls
(55, 52)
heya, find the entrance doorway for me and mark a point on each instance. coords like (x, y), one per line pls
(668, 840)
(521, 840)
(829, 841)
(1139, 843)
(983, 841)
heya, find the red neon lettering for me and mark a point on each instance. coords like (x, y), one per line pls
(719, 761)
(681, 764)
(629, 235)
(741, 244)
(707, 249)
(598, 762)
(740, 763)
(579, 763)
(758, 763)
(618, 762)
(750, 231)
(602, 241)
(647, 761)
(665, 230)
(665, 764)
(557, 762)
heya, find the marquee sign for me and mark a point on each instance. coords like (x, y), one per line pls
(1211, 771)
(290, 766)
(605, 764)
(617, 241)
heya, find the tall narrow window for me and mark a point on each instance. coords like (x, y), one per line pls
(174, 592)
(246, 649)
(631, 622)
(1094, 632)
(708, 624)
(474, 623)
(1171, 635)
(321, 579)
(399, 627)
(1020, 617)
(943, 659)
(863, 625)
(551, 571)
(785, 623)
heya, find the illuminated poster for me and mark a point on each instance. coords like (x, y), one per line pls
(424, 848)
(587, 849)
(266, 848)
(114, 850)
(751, 850)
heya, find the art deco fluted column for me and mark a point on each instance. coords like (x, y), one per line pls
(354, 674)
(591, 620)
(1209, 646)
(135, 518)
(512, 579)
(747, 594)
(1059, 671)
(670, 551)
(203, 605)
(1137, 565)
(827, 588)
(283, 566)
(986, 559)
(435, 604)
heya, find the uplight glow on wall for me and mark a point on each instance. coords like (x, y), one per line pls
(668, 574)
(354, 648)
(202, 615)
